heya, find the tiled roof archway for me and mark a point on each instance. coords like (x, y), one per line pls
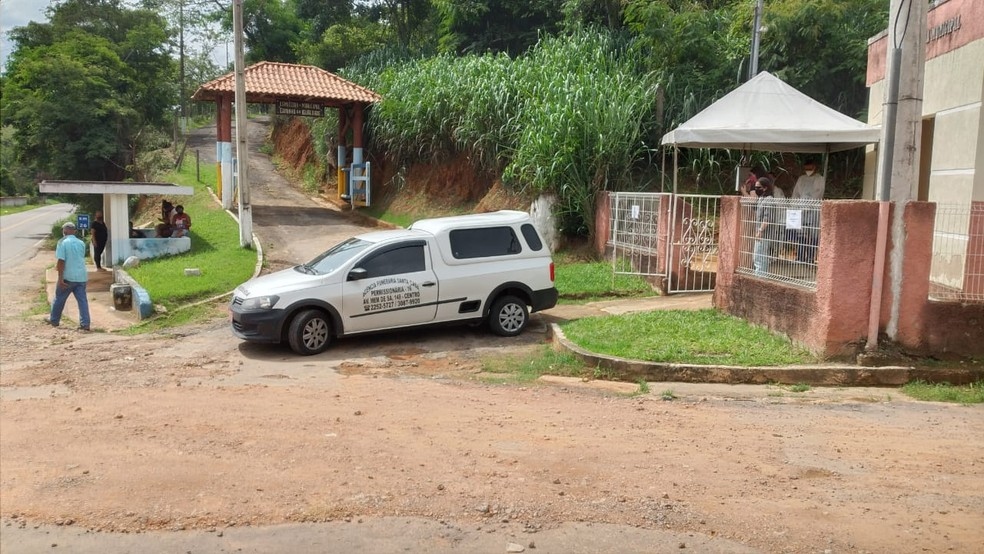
(267, 82)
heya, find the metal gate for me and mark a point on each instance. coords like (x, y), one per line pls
(662, 235)
(694, 243)
(634, 233)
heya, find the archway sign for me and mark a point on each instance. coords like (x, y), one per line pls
(298, 90)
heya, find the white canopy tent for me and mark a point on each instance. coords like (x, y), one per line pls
(766, 114)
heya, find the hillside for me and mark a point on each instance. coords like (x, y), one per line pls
(420, 190)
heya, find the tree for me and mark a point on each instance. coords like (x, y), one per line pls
(83, 89)
(510, 26)
(699, 43)
(320, 15)
(821, 47)
(15, 178)
(602, 13)
(342, 43)
(407, 19)
(194, 26)
(271, 30)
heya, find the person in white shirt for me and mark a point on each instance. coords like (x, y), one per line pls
(809, 186)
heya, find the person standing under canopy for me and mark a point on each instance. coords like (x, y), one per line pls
(809, 186)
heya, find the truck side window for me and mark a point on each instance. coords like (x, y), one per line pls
(404, 259)
(484, 243)
(532, 237)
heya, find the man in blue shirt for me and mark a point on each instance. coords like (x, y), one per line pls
(72, 277)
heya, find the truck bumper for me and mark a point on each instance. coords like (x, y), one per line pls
(544, 299)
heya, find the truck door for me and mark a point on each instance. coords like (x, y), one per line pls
(393, 286)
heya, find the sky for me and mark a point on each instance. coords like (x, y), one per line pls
(17, 13)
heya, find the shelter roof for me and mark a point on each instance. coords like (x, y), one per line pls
(767, 114)
(267, 82)
(113, 187)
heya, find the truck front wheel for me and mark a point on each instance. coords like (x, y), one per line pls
(509, 316)
(309, 333)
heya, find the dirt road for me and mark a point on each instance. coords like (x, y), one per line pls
(193, 441)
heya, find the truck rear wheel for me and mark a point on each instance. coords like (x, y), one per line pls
(509, 316)
(309, 332)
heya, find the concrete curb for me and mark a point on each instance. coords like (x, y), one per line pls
(837, 375)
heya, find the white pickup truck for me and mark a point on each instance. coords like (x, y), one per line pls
(491, 267)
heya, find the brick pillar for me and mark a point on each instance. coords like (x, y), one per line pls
(603, 222)
(729, 249)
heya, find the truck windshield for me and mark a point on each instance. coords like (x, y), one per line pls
(334, 257)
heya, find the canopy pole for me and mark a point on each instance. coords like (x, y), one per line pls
(662, 170)
(671, 213)
(675, 168)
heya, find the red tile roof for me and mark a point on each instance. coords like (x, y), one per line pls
(267, 82)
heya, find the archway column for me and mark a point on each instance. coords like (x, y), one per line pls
(359, 117)
(223, 151)
(342, 150)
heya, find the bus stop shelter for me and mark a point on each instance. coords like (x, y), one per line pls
(116, 207)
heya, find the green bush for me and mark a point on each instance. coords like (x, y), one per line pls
(570, 117)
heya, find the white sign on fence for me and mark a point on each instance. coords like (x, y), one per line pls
(794, 219)
(635, 211)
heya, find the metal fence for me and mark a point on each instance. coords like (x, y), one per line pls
(779, 240)
(957, 270)
(634, 233)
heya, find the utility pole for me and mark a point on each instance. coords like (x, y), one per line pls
(181, 63)
(907, 30)
(898, 154)
(753, 63)
(242, 153)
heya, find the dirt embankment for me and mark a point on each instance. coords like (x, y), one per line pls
(425, 189)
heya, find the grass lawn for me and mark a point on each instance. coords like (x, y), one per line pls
(580, 281)
(943, 392)
(215, 251)
(683, 336)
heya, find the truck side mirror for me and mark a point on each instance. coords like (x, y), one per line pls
(357, 273)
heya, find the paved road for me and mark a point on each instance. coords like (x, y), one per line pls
(21, 233)
(292, 227)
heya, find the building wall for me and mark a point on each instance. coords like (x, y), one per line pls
(952, 98)
(952, 94)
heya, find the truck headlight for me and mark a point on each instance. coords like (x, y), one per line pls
(260, 303)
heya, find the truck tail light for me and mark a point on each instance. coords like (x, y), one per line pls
(551, 272)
